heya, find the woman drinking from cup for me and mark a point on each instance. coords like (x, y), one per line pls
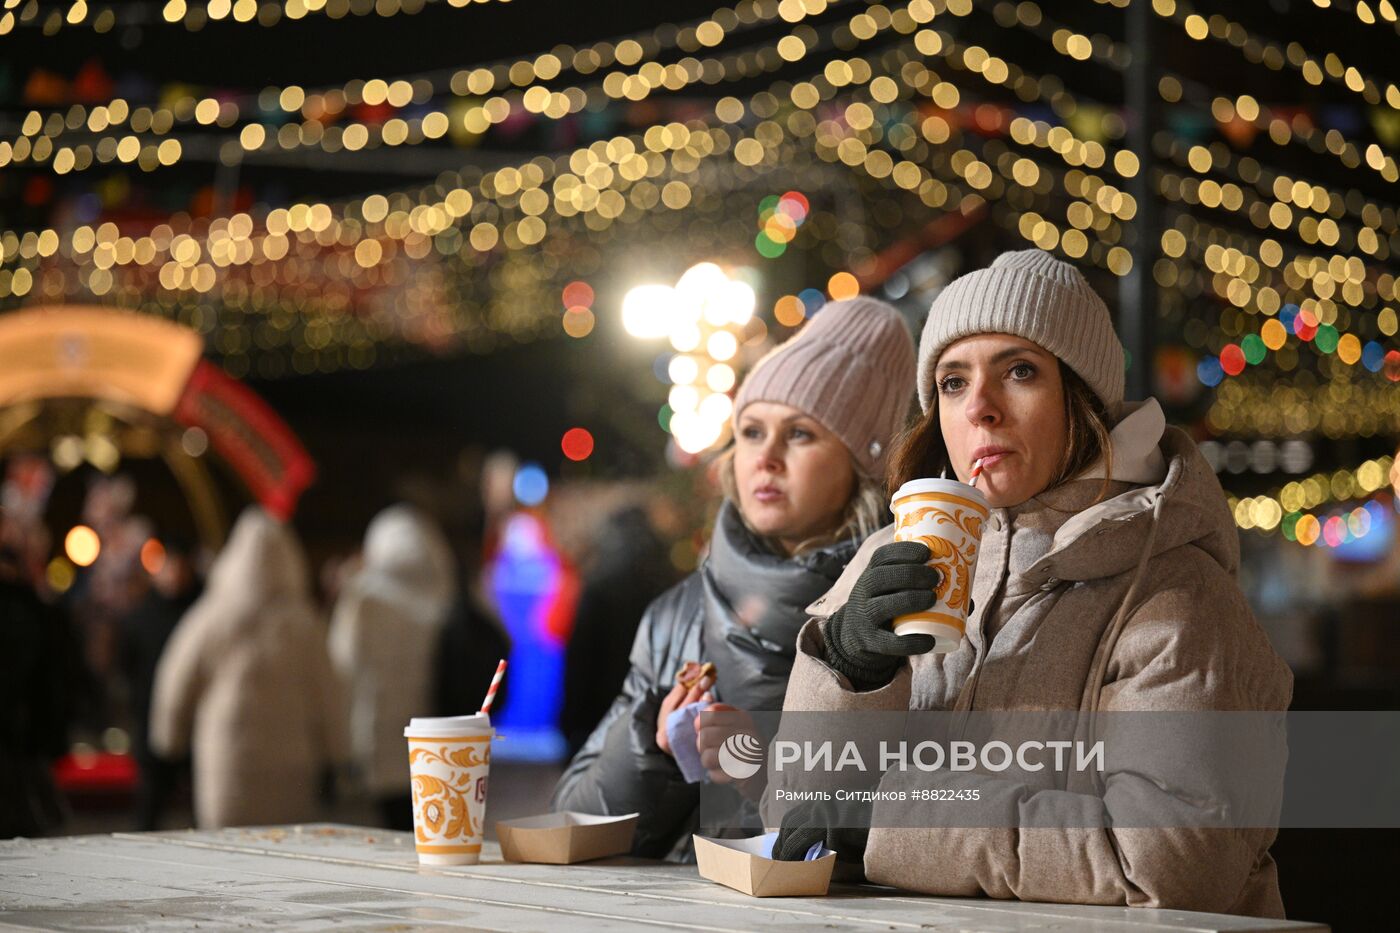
(1106, 581)
(813, 423)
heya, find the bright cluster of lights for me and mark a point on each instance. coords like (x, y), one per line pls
(1333, 405)
(1303, 324)
(704, 316)
(581, 187)
(1275, 56)
(778, 221)
(1339, 528)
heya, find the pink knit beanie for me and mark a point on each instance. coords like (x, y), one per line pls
(851, 367)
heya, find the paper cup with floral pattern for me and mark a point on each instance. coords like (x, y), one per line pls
(448, 761)
(947, 516)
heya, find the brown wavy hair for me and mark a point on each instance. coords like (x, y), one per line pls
(920, 451)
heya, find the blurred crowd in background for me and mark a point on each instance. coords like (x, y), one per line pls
(296, 674)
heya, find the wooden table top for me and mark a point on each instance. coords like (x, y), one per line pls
(319, 876)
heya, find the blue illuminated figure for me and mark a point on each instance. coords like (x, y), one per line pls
(527, 576)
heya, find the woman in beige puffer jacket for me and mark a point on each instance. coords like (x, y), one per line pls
(1107, 581)
(246, 684)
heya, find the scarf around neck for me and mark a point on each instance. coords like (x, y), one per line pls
(754, 604)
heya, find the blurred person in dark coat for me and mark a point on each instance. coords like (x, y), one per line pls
(174, 588)
(38, 665)
(469, 646)
(631, 568)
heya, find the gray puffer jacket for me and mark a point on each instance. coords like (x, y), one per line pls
(742, 611)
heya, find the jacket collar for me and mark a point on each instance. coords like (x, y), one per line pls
(1137, 458)
(1106, 539)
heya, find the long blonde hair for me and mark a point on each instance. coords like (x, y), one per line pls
(864, 515)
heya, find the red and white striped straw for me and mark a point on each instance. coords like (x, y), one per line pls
(495, 685)
(976, 472)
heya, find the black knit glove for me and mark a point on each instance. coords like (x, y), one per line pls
(843, 827)
(860, 642)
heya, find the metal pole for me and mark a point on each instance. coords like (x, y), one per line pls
(1138, 289)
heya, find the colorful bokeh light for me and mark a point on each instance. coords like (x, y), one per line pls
(577, 444)
(779, 217)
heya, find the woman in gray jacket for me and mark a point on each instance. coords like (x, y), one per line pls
(1106, 583)
(813, 423)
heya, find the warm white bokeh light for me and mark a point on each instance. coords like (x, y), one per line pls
(647, 311)
(82, 545)
(683, 370)
(703, 318)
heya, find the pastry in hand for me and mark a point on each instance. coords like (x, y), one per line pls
(692, 674)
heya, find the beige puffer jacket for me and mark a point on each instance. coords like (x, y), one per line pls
(1128, 604)
(246, 683)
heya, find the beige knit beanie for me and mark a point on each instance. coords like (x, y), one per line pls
(851, 367)
(1031, 294)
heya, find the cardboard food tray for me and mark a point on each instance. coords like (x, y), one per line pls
(739, 864)
(566, 837)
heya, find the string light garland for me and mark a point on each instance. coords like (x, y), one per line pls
(1066, 41)
(196, 14)
(1322, 530)
(891, 145)
(318, 219)
(875, 26)
(1341, 276)
(1274, 187)
(1293, 511)
(477, 259)
(200, 277)
(1279, 127)
(1336, 408)
(1224, 110)
(1223, 29)
(1267, 510)
(522, 83)
(1280, 130)
(313, 215)
(1248, 282)
(1384, 12)
(975, 59)
(1282, 329)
